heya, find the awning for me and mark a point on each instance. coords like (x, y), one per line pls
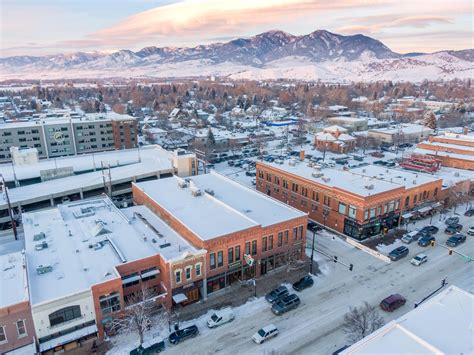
(67, 338)
(407, 215)
(425, 209)
(24, 350)
(179, 298)
(150, 273)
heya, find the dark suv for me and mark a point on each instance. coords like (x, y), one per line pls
(276, 294)
(303, 283)
(455, 240)
(183, 334)
(286, 304)
(392, 302)
(429, 230)
(398, 253)
(426, 240)
(452, 220)
(453, 228)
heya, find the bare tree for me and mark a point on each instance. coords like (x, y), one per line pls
(136, 316)
(361, 321)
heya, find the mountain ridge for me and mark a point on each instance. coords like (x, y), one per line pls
(321, 48)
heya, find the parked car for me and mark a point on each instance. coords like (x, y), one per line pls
(411, 236)
(470, 231)
(250, 173)
(304, 282)
(455, 240)
(150, 347)
(286, 304)
(426, 240)
(429, 229)
(398, 253)
(452, 220)
(223, 316)
(469, 212)
(419, 259)
(453, 228)
(377, 154)
(277, 293)
(392, 302)
(183, 334)
(340, 350)
(265, 333)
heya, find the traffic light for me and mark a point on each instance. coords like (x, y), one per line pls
(335, 259)
(432, 243)
(351, 267)
(450, 252)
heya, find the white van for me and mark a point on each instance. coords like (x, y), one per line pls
(221, 317)
(411, 237)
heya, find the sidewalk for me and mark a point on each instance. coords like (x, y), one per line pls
(237, 294)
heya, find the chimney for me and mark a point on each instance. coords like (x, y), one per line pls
(465, 130)
(301, 155)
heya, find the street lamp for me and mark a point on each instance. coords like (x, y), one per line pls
(312, 254)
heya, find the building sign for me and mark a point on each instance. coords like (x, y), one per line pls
(58, 137)
(249, 260)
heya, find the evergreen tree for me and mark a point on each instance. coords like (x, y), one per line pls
(210, 138)
(430, 120)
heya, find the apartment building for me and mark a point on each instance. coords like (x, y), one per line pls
(359, 203)
(66, 135)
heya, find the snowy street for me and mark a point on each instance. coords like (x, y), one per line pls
(316, 325)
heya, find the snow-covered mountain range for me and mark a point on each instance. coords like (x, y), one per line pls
(269, 55)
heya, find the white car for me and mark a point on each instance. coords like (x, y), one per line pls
(470, 231)
(265, 333)
(419, 259)
(221, 317)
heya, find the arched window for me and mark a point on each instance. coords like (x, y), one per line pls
(64, 315)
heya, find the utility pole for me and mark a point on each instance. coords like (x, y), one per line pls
(110, 183)
(312, 254)
(103, 176)
(443, 284)
(10, 211)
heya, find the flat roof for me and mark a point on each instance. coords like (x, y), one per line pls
(405, 178)
(406, 128)
(84, 162)
(13, 280)
(346, 180)
(439, 153)
(442, 324)
(232, 207)
(87, 240)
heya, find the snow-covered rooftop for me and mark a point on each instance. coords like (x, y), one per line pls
(405, 128)
(13, 280)
(441, 325)
(86, 162)
(444, 154)
(357, 183)
(347, 119)
(228, 208)
(405, 178)
(86, 240)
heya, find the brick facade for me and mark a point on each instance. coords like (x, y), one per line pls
(9, 316)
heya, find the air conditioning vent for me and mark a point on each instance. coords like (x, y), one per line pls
(317, 174)
(196, 192)
(39, 236)
(44, 269)
(369, 187)
(41, 246)
(165, 245)
(210, 191)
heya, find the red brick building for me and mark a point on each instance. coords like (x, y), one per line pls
(358, 203)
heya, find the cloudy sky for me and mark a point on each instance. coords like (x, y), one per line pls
(38, 27)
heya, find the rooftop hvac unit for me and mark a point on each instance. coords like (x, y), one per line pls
(369, 187)
(292, 162)
(456, 174)
(326, 179)
(41, 246)
(183, 184)
(210, 191)
(196, 192)
(39, 236)
(44, 269)
(317, 174)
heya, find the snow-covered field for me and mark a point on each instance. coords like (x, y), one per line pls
(434, 66)
(315, 327)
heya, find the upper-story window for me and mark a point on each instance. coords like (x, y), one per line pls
(178, 277)
(110, 303)
(3, 335)
(21, 328)
(64, 315)
(188, 272)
